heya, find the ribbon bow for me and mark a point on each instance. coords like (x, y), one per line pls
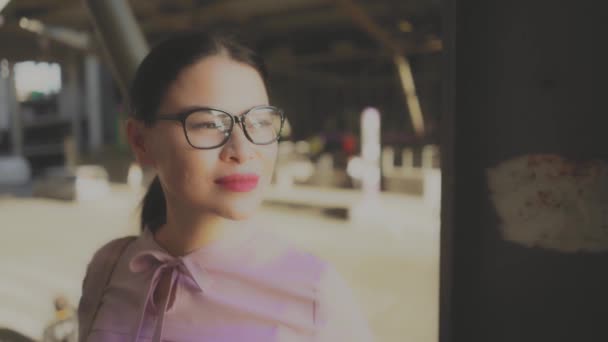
(161, 262)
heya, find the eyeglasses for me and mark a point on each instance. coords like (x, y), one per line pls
(207, 128)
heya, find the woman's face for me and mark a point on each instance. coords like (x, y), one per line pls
(222, 180)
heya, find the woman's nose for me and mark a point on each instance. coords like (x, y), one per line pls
(238, 148)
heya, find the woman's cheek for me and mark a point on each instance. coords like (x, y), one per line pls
(270, 157)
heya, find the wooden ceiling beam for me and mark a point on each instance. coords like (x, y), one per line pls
(70, 16)
(238, 11)
(365, 22)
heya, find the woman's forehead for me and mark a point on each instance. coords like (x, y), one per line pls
(218, 81)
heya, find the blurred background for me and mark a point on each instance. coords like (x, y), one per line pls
(358, 176)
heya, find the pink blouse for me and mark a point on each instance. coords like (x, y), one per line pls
(253, 287)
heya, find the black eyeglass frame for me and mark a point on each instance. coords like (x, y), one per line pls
(236, 119)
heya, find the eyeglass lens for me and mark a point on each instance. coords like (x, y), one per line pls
(209, 128)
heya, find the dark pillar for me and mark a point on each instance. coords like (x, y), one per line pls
(524, 77)
(122, 39)
(16, 130)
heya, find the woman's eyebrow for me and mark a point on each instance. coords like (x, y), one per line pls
(193, 107)
(189, 108)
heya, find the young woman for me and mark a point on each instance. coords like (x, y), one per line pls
(201, 270)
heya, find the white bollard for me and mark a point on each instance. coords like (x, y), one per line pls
(367, 211)
(370, 150)
(388, 161)
(430, 157)
(407, 159)
(432, 190)
(135, 177)
(325, 170)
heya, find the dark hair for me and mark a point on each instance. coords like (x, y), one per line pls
(157, 71)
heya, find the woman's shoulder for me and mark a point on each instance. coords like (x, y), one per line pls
(111, 250)
(278, 251)
(98, 273)
(294, 262)
(105, 259)
(276, 258)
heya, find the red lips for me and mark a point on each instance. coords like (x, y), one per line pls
(239, 182)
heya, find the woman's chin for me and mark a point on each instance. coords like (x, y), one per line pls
(239, 215)
(239, 211)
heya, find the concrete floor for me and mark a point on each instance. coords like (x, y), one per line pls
(392, 265)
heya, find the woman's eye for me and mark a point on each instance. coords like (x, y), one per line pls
(261, 123)
(207, 125)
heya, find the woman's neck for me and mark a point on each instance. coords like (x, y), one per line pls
(185, 232)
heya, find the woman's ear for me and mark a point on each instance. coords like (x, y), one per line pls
(137, 139)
